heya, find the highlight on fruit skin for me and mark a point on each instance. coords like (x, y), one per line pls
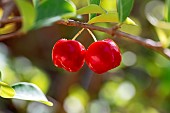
(68, 54)
(101, 56)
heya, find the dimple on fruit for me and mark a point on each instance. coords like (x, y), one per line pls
(102, 56)
(68, 54)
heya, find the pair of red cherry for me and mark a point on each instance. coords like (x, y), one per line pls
(100, 56)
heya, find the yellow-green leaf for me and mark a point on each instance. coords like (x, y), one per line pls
(8, 28)
(92, 8)
(110, 17)
(6, 91)
(108, 5)
(129, 21)
(28, 14)
(97, 2)
(162, 37)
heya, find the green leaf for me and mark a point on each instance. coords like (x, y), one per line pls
(35, 2)
(6, 91)
(50, 11)
(97, 2)
(29, 91)
(90, 9)
(124, 8)
(110, 17)
(28, 14)
(132, 29)
(94, 2)
(108, 5)
(167, 10)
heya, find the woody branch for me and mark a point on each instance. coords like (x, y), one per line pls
(156, 46)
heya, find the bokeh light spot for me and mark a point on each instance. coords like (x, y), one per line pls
(129, 58)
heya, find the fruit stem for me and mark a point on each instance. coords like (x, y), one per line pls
(119, 25)
(74, 38)
(94, 38)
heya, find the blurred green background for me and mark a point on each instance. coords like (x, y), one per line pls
(141, 84)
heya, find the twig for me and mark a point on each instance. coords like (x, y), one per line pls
(12, 20)
(10, 35)
(84, 25)
(156, 46)
(8, 6)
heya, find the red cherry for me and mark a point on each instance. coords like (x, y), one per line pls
(102, 56)
(68, 54)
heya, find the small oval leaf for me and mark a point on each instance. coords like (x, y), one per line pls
(110, 17)
(124, 8)
(92, 8)
(129, 21)
(29, 91)
(8, 28)
(50, 11)
(6, 91)
(97, 2)
(108, 5)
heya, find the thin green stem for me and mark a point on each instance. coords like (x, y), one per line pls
(94, 38)
(74, 38)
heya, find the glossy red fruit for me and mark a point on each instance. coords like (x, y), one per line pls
(68, 54)
(102, 56)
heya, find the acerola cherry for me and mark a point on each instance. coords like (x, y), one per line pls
(68, 54)
(102, 56)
